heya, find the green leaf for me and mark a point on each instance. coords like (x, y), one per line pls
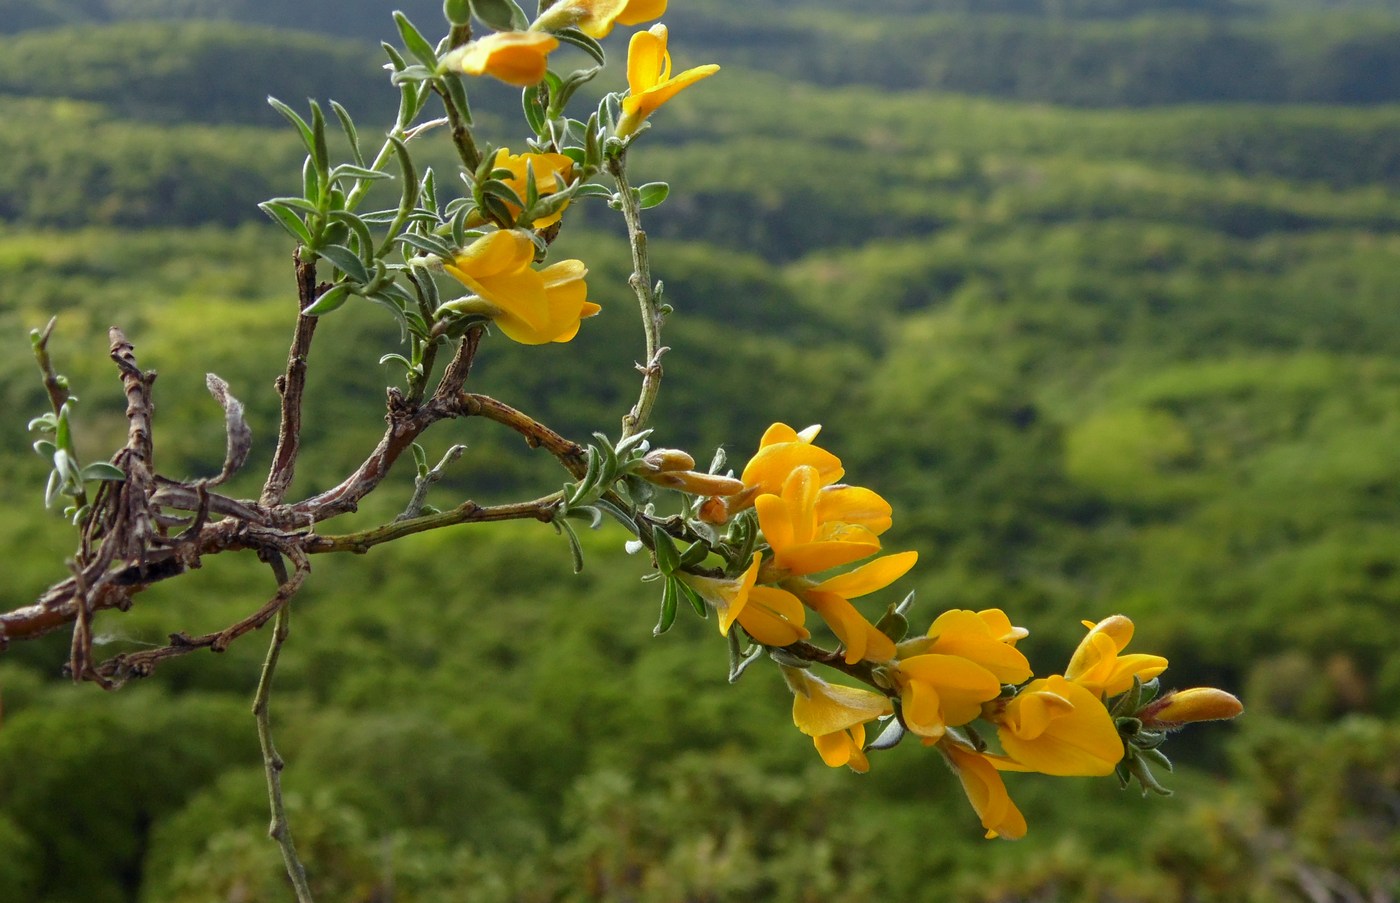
(308, 138)
(668, 608)
(502, 15)
(330, 300)
(420, 457)
(583, 42)
(694, 599)
(346, 261)
(347, 125)
(101, 470)
(534, 109)
(668, 558)
(652, 194)
(287, 220)
(414, 42)
(319, 151)
(428, 244)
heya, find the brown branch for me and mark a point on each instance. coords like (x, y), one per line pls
(280, 830)
(291, 385)
(140, 664)
(541, 509)
(537, 435)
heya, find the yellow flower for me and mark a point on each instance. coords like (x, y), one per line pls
(1057, 727)
(834, 716)
(772, 616)
(529, 306)
(781, 451)
(1180, 707)
(830, 599)
(804, 543)
(515, 57)
(649, 78)
(986, 791)
(548, 170)
(941, 691)
(1097, 666)
(596, 18)
(981, 637)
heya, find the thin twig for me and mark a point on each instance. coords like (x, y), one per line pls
(641, 283)
(536, 434)
(540, 509)
(280, 830)
(421, 484)
(291, 385)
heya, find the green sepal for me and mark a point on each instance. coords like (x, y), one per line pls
(694, 553)
(893, 624)
(668, 608)
(889, 737)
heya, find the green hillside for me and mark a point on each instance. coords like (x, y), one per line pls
(1100, 294)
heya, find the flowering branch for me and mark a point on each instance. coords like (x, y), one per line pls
(648, 297)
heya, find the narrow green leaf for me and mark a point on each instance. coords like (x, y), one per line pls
(668, 608)
(308, 138)
(331, 299)
(502, 15)
(414, 42)
(287, 220)
(652, 194)
(346, 261)
(319, 152)
(347, 125)
(584, 43)
(101, 470)
(668, 559)
(694, 599)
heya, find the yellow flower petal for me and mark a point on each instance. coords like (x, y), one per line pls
(986, 791)
(649, 78)
(939, 691)
(773, 617)
(861, 638)
(1057, 727)
(870, 577)
(515, 57)
(968, 634)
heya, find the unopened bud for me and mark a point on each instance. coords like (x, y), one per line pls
(696, 483)
(1185, 706)
(663, 460)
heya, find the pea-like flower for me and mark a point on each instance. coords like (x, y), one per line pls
(649, 78)
(515, 57)
(530, 306)
(1057, 727)
(830, 599)
(834, 716)
(1097, 665)
(985, 637)
(937, 692)
(596, 18)
(986, 791)
(812, 528)
(772, 616)
(549, 170)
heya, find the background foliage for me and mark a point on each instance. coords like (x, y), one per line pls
(1099, 293)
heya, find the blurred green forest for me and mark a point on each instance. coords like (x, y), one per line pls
(1101, 294)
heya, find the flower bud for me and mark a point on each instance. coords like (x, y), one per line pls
(1185, 706)
(666, 459)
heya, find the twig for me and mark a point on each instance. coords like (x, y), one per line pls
(291, 385)
(422, 484)
(652, 315)
(541, 509)
(536, 434)
(280, 830)
(53, 385)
